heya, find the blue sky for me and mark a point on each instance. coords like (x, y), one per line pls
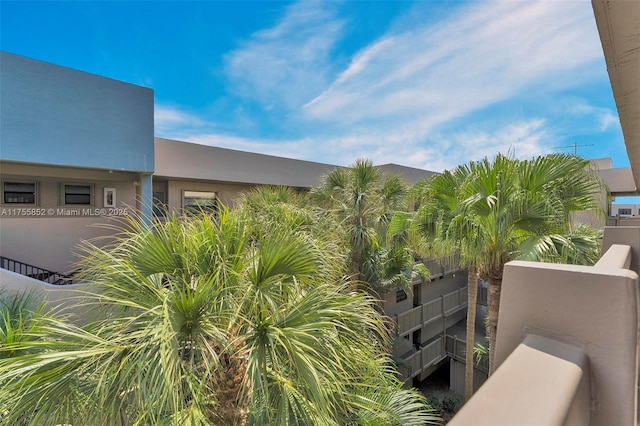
(427, 84)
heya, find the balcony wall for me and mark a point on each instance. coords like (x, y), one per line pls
(623, 221)
(430, 313)
(567, 342)
(432, 319)
(68, 297)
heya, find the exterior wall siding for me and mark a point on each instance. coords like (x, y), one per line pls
(227, 193)
(56, 115)
(46, 234)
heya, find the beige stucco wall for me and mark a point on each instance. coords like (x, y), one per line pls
(619, 180)
(441, 286)
(67, 296)
(227, 193)
(593, 309)
(58, 115)
(391, 307)
(182, 160)
(46, 234)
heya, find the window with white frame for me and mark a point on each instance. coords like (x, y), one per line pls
(18, 192)
(624, 211)
(195, 202)
(77, 194)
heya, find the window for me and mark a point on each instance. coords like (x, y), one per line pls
(78, 194)
(19, 192)
(195, 202)
(159, 204)
(401, 295)
(624, 212)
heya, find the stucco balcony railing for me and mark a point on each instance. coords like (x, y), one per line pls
(410, 320)
(424, 358)
(439, 269)
(567, 342)
(431, 311)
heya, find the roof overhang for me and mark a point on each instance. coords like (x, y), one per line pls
(619, 27)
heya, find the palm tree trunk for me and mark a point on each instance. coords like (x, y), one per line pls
(472, 290)
(230, 385)
(495, 289)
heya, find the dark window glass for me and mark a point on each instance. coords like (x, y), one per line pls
(77, 194)
(159, 204)
(19, 193)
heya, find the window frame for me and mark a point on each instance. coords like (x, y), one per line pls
(195, 209)
(63, 193)
(20, 182)
(401, 295)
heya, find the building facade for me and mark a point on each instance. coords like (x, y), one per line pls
(77, 152)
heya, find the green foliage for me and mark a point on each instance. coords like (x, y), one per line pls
(19, 315)
(451, 404)
(490, 212)
(362, 201)
(446, 406)
(480, 352)
(240, 319)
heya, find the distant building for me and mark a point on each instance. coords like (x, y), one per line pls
(78, 150)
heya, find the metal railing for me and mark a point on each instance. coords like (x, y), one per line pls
(35, 272)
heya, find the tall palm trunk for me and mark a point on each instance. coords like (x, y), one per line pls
(495, 289)
(472, 290)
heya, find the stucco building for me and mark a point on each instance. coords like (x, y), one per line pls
(78, 149)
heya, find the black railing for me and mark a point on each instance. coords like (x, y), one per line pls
(35, 272)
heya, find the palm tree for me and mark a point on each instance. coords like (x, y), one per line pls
(209, 321)
(506, 209)
(363, 200)
(439, 210)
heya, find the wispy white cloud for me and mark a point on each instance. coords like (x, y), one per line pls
(174, 123)
(424, 95)
(484, 54)
(289, 63)
(169, 119)
(600, 119)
